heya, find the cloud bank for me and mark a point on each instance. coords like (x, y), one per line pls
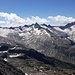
(11, 19)
(61, 20)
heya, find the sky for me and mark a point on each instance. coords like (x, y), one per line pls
(21, 12)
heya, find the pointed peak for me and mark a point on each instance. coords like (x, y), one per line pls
(67, 25)
(36, 25)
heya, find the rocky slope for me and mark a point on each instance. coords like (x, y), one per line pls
(42, 38)
(32, 62)
(69, 29)
(39, 43)
(6, 69)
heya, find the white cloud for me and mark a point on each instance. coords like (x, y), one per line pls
(2, 22)
(36, 19)
(11, 19)
(60, 20)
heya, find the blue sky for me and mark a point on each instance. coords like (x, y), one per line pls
(40, 8)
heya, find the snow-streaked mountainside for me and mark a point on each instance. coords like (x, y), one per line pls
(28, 30)
(39, 31)
(40, 37)
(31, 47)
(69, 29)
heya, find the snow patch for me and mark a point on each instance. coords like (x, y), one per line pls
(37, 32)
(58, 29)
(26, 74)
(15, 55)
(4, 32)
(27, 29)
(5, 59)
(3, 51)
(13, 48)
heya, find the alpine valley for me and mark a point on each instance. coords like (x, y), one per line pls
(37, 49)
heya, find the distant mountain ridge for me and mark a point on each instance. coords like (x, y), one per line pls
(68, 25)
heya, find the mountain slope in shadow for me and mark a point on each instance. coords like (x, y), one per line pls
(32, 54)
(7, 69)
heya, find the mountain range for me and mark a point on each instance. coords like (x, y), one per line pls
(39, 43)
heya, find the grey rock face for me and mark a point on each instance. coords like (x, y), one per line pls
(6, 69)
(42, 38)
